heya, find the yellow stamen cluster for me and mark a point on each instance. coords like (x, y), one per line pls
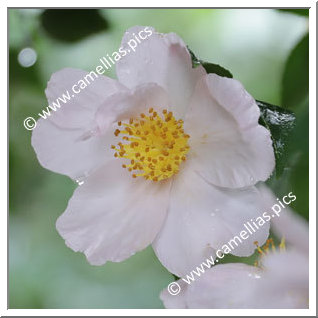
(269, 247)
(154, 145)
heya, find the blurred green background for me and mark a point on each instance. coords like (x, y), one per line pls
(267, 50)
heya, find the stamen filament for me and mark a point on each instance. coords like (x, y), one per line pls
(155, 145)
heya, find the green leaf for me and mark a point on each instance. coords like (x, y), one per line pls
(295, 176)
(70, 25)
(280, 122)
(298, 153)
(216, 69)
(302, 12)
(210, 68)
(296, 75)
(22, 24)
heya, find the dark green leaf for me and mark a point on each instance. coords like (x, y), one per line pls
(303, 12)
(298, 153)
(296, 75)
(295, 176)
(216, 69)
(280, 123)
(210, 67)
(70, 25)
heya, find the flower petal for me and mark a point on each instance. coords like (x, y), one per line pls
(79, 111)
(287, 224)
(112, 215)
(223, 286)
(130, 104)
(68, 141)
(73, 152)
(202, 218)
(178, 301)
(160, 58)
(228, 146)
(286, 274)
(238, 286)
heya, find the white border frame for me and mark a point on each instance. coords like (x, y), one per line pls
(312, 163)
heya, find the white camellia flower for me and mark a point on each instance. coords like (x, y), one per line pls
(281, 279)
(168, 155)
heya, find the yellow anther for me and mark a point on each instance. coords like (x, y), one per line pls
(282, 246)
(154, 148)
(260, 251)
(268, 247)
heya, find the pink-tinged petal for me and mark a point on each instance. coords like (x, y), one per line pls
(68, 141)
(73, 152)
(202, 218)
(281, 282)
(112, 215)
(287, 223)
(285, 274)
(79, 151)
(79, 110)
(228, 146)
(223, 286)
(131, 104)
(160, 58)
(177, 301)
(275, 264)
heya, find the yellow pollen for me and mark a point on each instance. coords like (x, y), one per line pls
(154, 148)
(282, 245)
(267, 248)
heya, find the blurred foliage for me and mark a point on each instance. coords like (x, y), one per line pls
(302, 12)
(68, 24)
(296, 75)
(25, 96)
(253, 44)
(296, 157)
(295, 176)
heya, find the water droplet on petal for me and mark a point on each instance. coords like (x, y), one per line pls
(254, 275)
(79, 181)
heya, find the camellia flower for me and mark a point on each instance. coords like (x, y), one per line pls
(168, 155)
(280, 279)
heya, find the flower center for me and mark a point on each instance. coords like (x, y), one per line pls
(268, 248)
(154, 145)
